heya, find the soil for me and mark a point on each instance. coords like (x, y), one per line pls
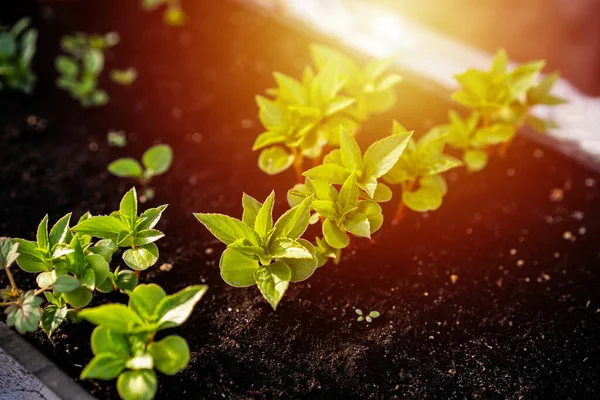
(493, 296)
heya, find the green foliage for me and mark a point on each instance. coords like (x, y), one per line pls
(156, 161)
(369, 318)
(123, 342)
(17, 48)
(419, 170)
(270, 255)
(305, 115)
(82, 64)
(500, 102)
(173, 14)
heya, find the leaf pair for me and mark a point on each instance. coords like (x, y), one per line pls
(419, 170)
(379, 158)
(17, 48)
(123, 343)
(261, 252)
(156, 161)
(126, 229)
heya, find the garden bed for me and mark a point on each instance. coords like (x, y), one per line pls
(495, 295)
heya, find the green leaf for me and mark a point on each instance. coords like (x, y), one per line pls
(126, 280)
(358, 224)
(289, 248)
(52, 317)
(330, 173)
(147, 236)
(264, 219)
(373, 213)
(100, 266)
(125, 168)
(426, 198)
(171, 354)
(348, 193)
(105, 366)
(251, 207)
(8, 252)
(302, 268)
(325, 208)
(475, 160)
(275, 160)
(273, 280)
(150, 218)
(226, 228)
(270, 114)
(31, 259)
(268, 139)
(349, 151)
(8, 46)
(290, 89)
(116, 317)
(388, 82)
(128, 208)
(158, 159)
(293, 223)
(59, 231)
(237, 270)
(42, 234)
(106, 341)
(66, 283)
(103, 226)
(141, 258)
(78, 298)
(538, 124)
(46, 279)
(104, 248)
(175, 309)
(382, 193)
(145, 298)
(522, 78)
(500, 63)
(338, 104)
(381, 156)
(137, 385)
(25, 316)
(93, 61)
(334, 235)
(495, 134)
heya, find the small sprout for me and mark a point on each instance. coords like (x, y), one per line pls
(156, 161)
(83, 64)
(116, 138)
(123, 342)
(173, 14)
(124, 77)
(17, 48)
(369, 318)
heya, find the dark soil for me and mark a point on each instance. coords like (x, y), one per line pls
(495, 296)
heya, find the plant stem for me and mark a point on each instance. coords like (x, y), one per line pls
(6, 304)
(504, 148)
(11, 279)
(138, 274)
(298, 164)
(400, 211)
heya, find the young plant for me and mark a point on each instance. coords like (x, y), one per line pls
(262, 253)
(124, 77)
(156, 161)
(17, 48)
(116, 138)
(371, 86)
(173, 14)
(419, 170)
(124, 228)
(340, 163)
(22, 307)
(81, 67)
(369, 318)
(123, 342)
(501, 103)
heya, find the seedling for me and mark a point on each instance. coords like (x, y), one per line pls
(173, 14)
(156, 161)
(123, 342)
(369, 318)
(419, 171)
(372, 88)
(124, 77)
(124, 228)
(379, 158)
(260, 252)
(501, 102)
(17, 48)
(81, 67)
(116, 139)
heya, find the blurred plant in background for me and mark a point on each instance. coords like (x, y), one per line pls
(173, 14)
(17, 48)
